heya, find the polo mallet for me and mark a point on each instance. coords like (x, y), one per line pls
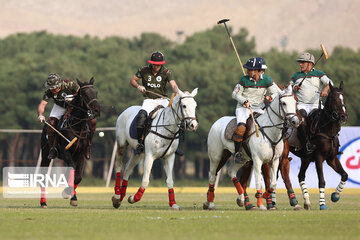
(324, 53)
(242, 68)
(70, 142)
(232, 42)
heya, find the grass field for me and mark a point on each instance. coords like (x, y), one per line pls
(151, 218)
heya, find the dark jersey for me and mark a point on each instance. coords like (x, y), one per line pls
(68, 87)
(154, 83)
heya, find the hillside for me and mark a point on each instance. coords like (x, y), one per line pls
(299, 24)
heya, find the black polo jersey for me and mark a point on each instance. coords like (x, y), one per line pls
(154, 83)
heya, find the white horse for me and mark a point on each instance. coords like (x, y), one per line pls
(161, 142)
(265, 148)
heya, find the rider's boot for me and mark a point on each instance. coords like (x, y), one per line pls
(179, 152)
(53, 153)
(140, 125)
(238, 139)
(304, 139)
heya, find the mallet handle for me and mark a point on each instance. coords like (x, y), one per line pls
(56, 130)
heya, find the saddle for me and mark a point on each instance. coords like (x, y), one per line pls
(149, 119)
(232, 125)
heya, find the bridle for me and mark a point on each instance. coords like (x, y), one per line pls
(283, 115)
(182, 126)
(333, 114)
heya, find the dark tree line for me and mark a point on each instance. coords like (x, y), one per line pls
(205, 60)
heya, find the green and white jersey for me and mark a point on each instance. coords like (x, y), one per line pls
(68, 87)
(155, 83)
(310, 90)
(253, 92)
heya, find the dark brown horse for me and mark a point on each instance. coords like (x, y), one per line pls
(77, 122)
(324, 126)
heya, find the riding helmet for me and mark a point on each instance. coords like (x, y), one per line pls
(157, 58)
(262, 62)
(53, 81)
(253, 64)
(306, 57)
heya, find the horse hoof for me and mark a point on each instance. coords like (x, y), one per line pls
(335, 197)
(307, 206)
(73, 201)
(323, 207)
(297, 207)
(43, 205)
(250, 207)
(116, 202)
(240, 202)
(209, 206)
(262, 208)
(131, 199)
(273, 208)
(175, 207)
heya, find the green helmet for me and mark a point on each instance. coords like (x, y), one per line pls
(53, 81)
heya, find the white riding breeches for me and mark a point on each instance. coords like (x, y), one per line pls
(150, 104)
(307, 107)
(57, 111)
(242, 114)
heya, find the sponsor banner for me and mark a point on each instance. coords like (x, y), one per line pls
(350, 144)
(32, 182)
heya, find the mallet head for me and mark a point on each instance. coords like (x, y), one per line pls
(223, 21)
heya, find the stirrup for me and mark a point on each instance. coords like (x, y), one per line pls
(139, 148)
(53, 153)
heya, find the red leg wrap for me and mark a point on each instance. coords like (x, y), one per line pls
(117, 183)
(267, 194)
(171, 197)
(43, 195)
(210, 193)
(123, 189)
(237, 185)
(139, 194)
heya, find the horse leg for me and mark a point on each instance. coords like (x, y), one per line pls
(319, 169)
(257, 175)
(265, 170)
(168, 168)
(284, 167)
(120, 190)
(301, 176)
(45, 162)
(149, 160)
(336, 165)
(244, 178)
(216, 163)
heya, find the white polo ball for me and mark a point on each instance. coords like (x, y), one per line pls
(101, 134)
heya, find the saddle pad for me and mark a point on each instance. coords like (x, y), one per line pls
(133, 129)
(293, 139)
(230, 129)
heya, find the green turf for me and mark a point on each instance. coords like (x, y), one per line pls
(95, 218)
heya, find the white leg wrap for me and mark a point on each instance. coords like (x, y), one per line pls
(273, 195)
(340, 187)
(322, 196)
(304, 190)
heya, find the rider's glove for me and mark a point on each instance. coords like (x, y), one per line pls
(141, 89)
(41, 118)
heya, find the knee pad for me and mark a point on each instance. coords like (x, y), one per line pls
(239, 132)
(142, 115)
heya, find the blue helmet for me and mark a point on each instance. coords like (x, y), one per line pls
(252, 64)
(262, 62)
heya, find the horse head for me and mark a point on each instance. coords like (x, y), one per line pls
(287, 107)
(88, 97)
(335, 104)
(184, 105)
